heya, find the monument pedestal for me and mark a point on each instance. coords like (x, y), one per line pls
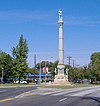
(61, 81)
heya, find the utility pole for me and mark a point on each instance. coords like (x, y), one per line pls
(73, 62)
(34, 60)
(69, 60)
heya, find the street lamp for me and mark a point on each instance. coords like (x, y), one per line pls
(2, 75)
(40, 74)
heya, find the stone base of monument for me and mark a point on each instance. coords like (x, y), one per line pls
(61, 80)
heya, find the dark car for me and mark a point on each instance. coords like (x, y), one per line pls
(77, 81)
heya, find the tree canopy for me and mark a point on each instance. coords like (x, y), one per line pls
(20, 53)
(95, 57)
(5, 64)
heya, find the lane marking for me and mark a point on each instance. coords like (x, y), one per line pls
(4, 100)
(62, 99)
(82, 93)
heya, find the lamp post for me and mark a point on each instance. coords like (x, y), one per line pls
(2, 75)
(40, 74)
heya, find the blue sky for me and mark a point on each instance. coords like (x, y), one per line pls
(37, 20)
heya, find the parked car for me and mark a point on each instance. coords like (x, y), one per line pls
(21, 82)
(77, 81)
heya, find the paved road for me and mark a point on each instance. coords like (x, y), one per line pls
(53, 97)
(13, 92)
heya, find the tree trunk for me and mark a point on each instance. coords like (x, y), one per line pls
(19, 80)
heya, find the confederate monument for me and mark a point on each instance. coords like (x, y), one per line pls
(61, 78)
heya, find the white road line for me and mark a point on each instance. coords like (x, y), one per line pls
(64, 92)
(82, 93)
(62, 99)
(61, 93)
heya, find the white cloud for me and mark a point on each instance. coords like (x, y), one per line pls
(83, 21)
(50, 18)
(23, 16)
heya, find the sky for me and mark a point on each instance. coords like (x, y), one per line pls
(37, 21)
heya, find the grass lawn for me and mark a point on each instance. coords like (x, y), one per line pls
(67, 86)
(48, 85)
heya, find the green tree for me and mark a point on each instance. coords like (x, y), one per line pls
(6, 64)
(51, 67)
(95, 56)
(20, 54)
(33, 70)
(94, 67)
(2, 59)
(8, 73)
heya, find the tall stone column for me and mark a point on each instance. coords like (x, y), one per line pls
(60, 78)
(61, 65)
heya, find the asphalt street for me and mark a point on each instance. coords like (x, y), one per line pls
(53, 97)
(13, 92)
